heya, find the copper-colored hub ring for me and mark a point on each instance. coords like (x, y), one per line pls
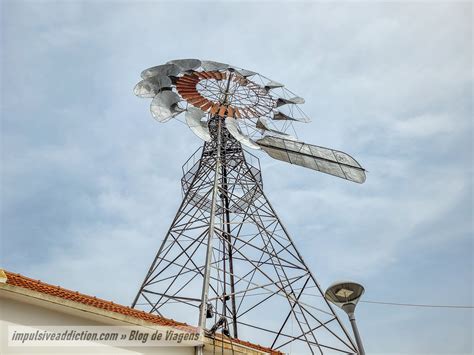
(186, 87)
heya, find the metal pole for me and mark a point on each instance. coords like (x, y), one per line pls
(229, 247)
(228, 231)
(356, 333)
(207, 271)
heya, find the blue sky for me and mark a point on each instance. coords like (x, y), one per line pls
(90, 182)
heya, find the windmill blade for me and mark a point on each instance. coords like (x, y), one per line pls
(164, 69)
(263, 125)
(186, 64)
(245, 73)
(294, 100)
(193, 119)
(280, 116)
(148, 88)
(273, 85)
(233, 127)
(209, 65)
(322, 159)
(164, 106)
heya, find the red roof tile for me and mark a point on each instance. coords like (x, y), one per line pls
(47, 289)
(250, 345)
(38, 286)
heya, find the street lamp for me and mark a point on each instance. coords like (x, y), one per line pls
(345, 295)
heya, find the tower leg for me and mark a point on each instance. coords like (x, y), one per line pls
(212, 222)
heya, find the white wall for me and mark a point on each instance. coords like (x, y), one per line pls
(21, 310)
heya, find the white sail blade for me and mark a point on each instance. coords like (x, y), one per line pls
(294, 101)
(233, 127)
(164, 69)
(280, 116)
(273, 85)
(148, 88)
(165, 106)
(263, 125)
(209, 65)
(193, 119)
(186, 64)
(245, 73)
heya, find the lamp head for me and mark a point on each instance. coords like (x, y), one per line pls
(345, 295)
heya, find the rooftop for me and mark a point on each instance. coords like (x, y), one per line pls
(24, 282)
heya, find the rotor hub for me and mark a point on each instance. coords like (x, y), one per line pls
(227, 94)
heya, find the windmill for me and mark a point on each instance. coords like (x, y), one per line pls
(227, 263)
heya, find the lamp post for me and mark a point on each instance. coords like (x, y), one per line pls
(345, 295)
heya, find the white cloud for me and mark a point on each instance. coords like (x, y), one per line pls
(427, 125)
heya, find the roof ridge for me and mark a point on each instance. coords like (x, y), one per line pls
(18, 280)
(58, 287)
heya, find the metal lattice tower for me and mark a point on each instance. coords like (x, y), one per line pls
(227, 261)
